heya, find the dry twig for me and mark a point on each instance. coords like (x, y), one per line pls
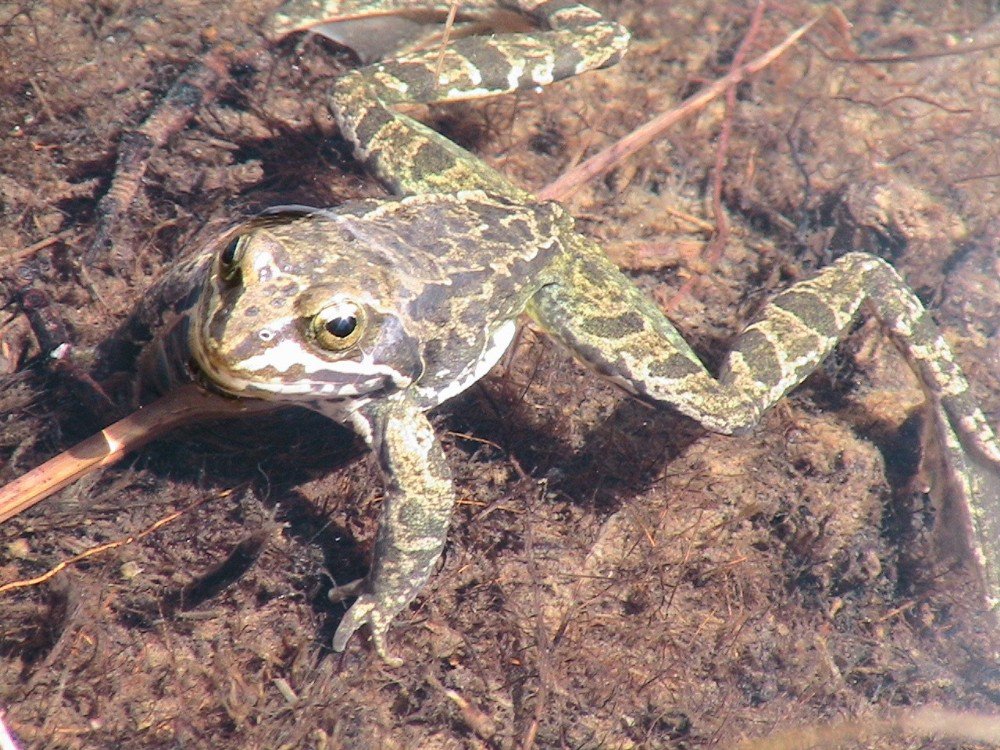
(184, 405)
(642, 136)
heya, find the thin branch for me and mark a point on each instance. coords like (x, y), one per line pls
(184, 405)
(712, 254)
(642, 136)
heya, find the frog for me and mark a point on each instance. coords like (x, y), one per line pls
(378, 310)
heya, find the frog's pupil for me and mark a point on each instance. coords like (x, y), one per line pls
(341, 326)
(229, 252)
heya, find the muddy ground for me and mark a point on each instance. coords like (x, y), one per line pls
(614, 577)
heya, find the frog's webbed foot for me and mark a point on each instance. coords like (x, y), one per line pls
(377, 615)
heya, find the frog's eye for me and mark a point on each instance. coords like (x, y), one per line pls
(339, 326)
(229, 258)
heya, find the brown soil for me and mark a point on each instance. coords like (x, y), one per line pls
(614, 577)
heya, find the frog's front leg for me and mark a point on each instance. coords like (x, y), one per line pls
(616, 329)
(414, 522)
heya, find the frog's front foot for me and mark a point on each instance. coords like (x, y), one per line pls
(377, 614)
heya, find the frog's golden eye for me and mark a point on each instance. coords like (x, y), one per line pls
(229, 258)
(339, 326)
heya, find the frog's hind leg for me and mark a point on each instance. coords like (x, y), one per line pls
(410, 157)
(612, 326)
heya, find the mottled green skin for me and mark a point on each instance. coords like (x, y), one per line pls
(438, 277)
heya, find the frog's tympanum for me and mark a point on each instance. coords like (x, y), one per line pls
(376, 311)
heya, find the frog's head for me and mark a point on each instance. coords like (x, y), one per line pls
(290, 311)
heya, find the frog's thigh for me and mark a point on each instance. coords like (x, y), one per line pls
(609, 324)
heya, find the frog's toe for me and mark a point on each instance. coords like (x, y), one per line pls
(378, 640)
(359, 614)
(366, 610)
(346, 590)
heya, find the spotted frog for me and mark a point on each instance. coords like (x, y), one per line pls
(376, 311)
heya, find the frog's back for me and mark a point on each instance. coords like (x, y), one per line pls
(458, 268)
(440, 261)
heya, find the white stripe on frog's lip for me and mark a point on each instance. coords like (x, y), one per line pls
(289, 354)
(262, 374)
